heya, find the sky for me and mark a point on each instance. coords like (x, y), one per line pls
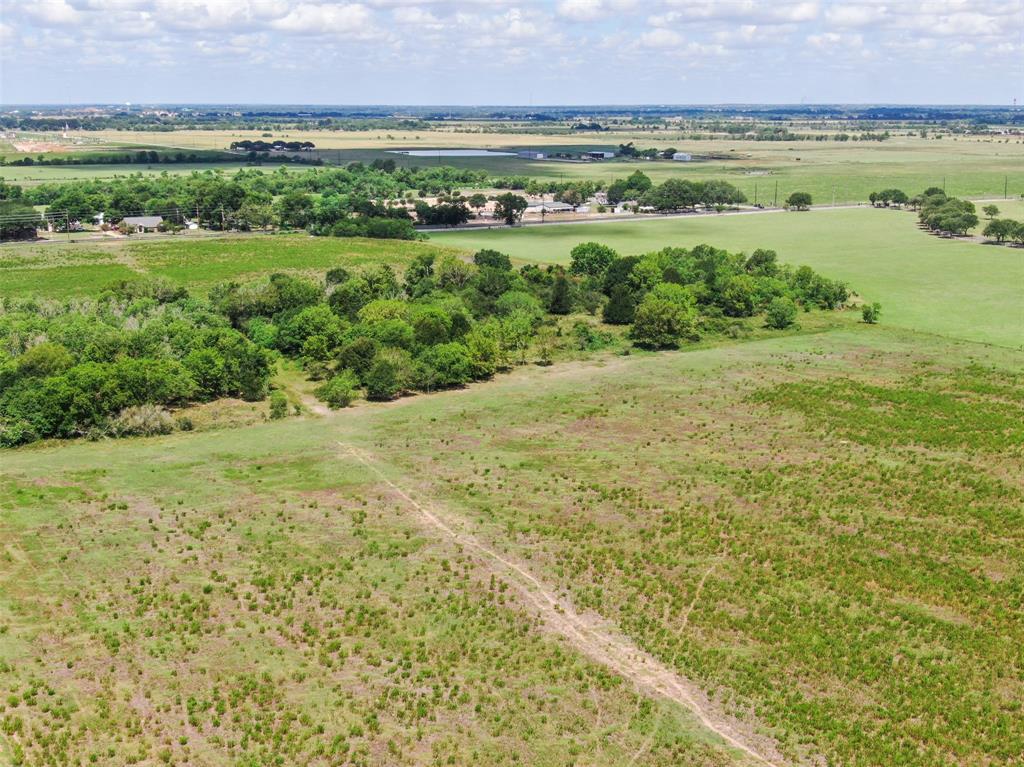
(522, 52)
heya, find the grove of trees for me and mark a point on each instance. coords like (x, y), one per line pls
(120, 363)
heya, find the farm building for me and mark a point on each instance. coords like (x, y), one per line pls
(541, 206)
(597, 155)
(682, 157)
(531, 155)
(143, 223)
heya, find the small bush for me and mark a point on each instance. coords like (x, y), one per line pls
(340, 390)
(141, 421)
(781, 313)
(278, 405)
(871, 312)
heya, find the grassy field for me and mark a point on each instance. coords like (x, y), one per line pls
(38, 174)
(966, 166)
(955, 288)
(822, 530)
(84, 268)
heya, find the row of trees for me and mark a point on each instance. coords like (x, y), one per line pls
(946, 215)
(278, 145)
(329, 201)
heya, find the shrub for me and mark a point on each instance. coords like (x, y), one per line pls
(358, 354)
(141, 421)
(389, 375)
(781, 313)
(340, 390)
(591, 259)
(445, 365)
(278, 405)
(560, 303)
(492, 259)
(661, 323)
(621, 307)
(871, 312)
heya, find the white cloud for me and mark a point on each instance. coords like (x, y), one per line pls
(844, 15)
(413, 15)
(661, 38)
(353, 20)
(835, 40)
(52, 12)
(581, 10)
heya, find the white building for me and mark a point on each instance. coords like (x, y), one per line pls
(682, 157)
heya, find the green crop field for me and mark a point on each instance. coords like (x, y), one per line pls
(958, 288)
(822, 531)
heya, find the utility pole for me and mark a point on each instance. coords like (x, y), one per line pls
(67, 224)
(755, 194)
(223, 225)
(775, 203)
(1006, 186)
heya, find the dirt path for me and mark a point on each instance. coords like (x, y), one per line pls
(591, 635)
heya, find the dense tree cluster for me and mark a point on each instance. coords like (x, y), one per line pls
(352, 201)
(672, 295)
(1003, 229)
(93, 367)
(279, 145)
(681, 194)
(946, 215)
(112, 365)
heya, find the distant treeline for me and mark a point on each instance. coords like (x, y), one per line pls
(273, 146)
(357, 200)
(205, 121)
(141, 157)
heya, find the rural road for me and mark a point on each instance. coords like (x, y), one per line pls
(589, 634)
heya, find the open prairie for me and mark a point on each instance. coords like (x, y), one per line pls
(810, 541)
(958, 288)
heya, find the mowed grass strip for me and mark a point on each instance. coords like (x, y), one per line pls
(957, 288)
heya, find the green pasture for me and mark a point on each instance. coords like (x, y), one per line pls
(841, 581)
(957, 288)
(79, 269)
(33, 175)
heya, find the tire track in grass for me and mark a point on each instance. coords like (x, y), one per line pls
(590, 635)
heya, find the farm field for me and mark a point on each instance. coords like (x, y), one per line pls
(84, 268)
(840, 582)
(957, 288)
(968, 167)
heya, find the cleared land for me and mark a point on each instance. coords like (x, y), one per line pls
(80, 269)
(957, 288)
(821, 531)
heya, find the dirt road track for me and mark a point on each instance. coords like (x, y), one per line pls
(591, 635)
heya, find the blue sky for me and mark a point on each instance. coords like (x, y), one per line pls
(508, 52)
